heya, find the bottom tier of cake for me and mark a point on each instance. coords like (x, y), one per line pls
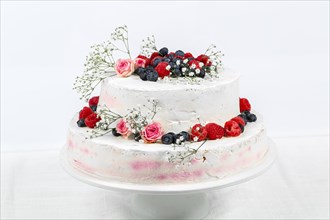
(116, 158)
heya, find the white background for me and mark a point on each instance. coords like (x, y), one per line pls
(280, 49)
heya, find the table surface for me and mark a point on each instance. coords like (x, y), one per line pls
(34, 186)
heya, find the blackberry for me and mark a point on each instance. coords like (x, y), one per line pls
(115, 133)
(143, 76)
(81, 123)
(163, 51)
(93, 107)
(185, 135)
(137, 137)
(252, 118)
(179, 53)
(168, 138)
(152, 76)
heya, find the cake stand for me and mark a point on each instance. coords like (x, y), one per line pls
(171, 201)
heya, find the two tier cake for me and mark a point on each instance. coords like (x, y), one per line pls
(162, 117)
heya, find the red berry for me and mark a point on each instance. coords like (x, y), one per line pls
(232, 129)
(161, 69)
(203, 58)
(239, 120)
(91, 120)
(196, 62)
(145, 58)
(198, 133)
(244, 105)
(188, 55)
(85, 112)
(93, 101)
(214, 131)
(153, 55)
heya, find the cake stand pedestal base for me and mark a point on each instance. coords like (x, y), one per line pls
(186, 206)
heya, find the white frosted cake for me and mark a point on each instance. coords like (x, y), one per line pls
(163, 119)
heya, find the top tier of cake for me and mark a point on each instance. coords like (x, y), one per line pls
(182, 104)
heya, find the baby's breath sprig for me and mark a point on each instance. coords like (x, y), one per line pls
(100, 62)
(148, 46)
(215, 56)
(183, 157)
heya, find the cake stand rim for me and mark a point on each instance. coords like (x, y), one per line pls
(168, 189)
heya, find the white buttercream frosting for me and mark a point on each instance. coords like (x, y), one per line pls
(182, 102)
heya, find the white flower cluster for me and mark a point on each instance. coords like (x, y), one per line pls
(215, 56)
(100, 62)
(187, 154)
(148, 46)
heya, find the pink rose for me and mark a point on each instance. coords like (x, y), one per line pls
(122, 128)
(152, 132)
(139, 62)
(124, 67)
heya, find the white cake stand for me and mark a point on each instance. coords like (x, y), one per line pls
(171, 201)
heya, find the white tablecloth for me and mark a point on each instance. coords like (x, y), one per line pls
(34, 186)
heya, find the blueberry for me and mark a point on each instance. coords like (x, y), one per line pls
(94, 107)
(81, 123)
(152, 76)
(185, 135)
(252, 118)
(201, 73)
(179, 53)
(246, 113)
(167, 60)
(243, 116)
(156, 61)
(137, 137)
(168, 138)
(163, 51)
(176, 73)
(149, 67)
(241, 127)
(115, 133)
(170, 56)
(143, 76)
(140, 70)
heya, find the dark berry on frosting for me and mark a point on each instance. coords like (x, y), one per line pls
(152, 76)
(243, 116)
(137, 137)
(168, 138)
(81, 123)
(155, 61)
(185, 135)
(94, 107)
(179, 53)
(176, 73)
(140, 70)
(252, 118)
(246, 113)
(143, 76)
(167, 60)
(241, 127)
(115, 133)
(163, 51)
(200, 73)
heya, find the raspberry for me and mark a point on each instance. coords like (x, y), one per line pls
(161, 69)
(214, 131)
(153, 55)
(145, 58)
(188, 55)
(203, 58)
(239, 120)
(232, 129)
(198, 133)
(91, 120)
(244, 105)
(93, 101)
(85, 112)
